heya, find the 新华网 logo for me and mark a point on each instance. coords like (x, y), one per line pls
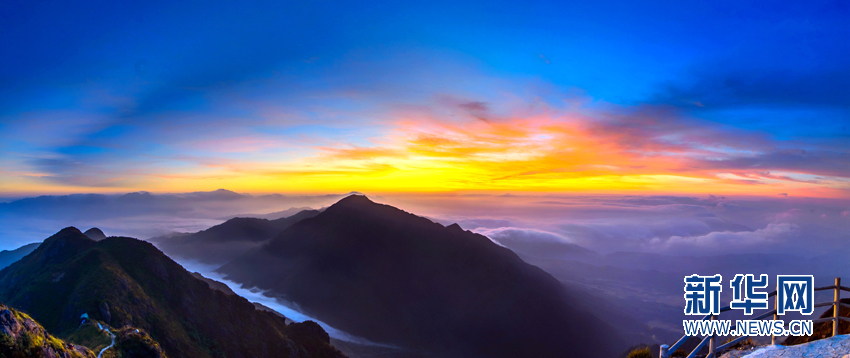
(795, 293)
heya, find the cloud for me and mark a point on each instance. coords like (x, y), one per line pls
(722, 242)
(534, 243)
(780, 88)
(529, 223)
(140, 214)
(522, 234)
(477, 109)
(818, 162)
(657, 224)
(475, 224)
(527, 137)
(516, 135)
(67, 171)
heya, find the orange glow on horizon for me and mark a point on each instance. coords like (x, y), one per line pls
(531, 154)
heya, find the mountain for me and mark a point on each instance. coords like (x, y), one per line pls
(21, 336)
(229, 240)
(7, 257)
(393, 277)
(95, 234)
(127, 282)
(271, 216)
(219, 286)
(215, 285)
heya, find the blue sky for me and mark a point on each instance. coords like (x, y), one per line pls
(103, 96)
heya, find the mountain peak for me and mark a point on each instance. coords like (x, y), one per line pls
(138, 194)
(69, 235)
(354, 200)
(454, 227)
(63, 245)
(70, 230)
(220, 194)
(95, 234)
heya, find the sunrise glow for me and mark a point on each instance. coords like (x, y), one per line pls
(428, 108)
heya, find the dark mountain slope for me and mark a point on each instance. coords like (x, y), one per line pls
(7, 257)
(231, 239)
(128, 282)
(390, 276)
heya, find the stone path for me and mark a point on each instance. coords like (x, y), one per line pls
(833, 347)
(99, 355)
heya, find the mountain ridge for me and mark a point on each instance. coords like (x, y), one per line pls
(391, 276)
(7, 257)
(228, 240)
(128, 282)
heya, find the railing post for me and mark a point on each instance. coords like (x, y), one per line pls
(712, 344)
(775, 315)
(664, 351)
(835, 306)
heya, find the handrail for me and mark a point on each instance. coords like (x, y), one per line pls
(699, 346)
(678, 343)
(713, 352)
(832, 303)
(827, 319)
(765, 315)
(722, 309)
(821, 320)
(731, 343)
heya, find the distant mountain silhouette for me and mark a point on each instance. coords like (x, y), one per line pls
(95, 234)
(390, 276)
(220, 194)
(271, 216)
(127, 282)
(7, 257)
(229, 240)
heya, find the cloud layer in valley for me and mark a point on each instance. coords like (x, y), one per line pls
(657, 224)
(142, 215)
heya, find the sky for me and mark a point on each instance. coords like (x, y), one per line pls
(734, 98)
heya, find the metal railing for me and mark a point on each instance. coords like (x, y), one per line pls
(714, 350)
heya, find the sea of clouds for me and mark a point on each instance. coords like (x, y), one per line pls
(685, 225)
